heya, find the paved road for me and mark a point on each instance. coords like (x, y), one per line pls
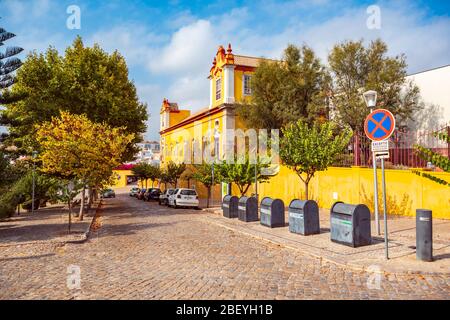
(143, 251)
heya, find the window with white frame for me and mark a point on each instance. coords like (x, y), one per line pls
(218, 88)
(247, 87)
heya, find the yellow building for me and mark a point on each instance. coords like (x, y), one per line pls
(186, 136)
(182, 132)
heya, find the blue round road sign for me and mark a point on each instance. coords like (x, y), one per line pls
(379, 125)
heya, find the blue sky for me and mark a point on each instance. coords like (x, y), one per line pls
(169, 46)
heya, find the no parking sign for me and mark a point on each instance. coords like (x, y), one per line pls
(379, 125)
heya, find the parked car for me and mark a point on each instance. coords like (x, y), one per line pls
(170, 197)
(164, 197)
(152, 194)
(108, 193)
(184, 198)
(134, 191)
(140, 195)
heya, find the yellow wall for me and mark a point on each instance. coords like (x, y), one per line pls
(187, 133)
(406, 191)
(177, 117)
(120, 177)
(220, 101)
(239, 86)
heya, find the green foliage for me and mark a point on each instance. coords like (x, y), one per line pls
(83, 81)
(174, 172)
(431, 177)
(356, 69)
(242, 173)
(283, 92)
(9, 63)
(307, 149)
(203, 174)
(46, 188)
(437, 159)
(153, 173)
(8, 204)
(164, 177)
(145, 171)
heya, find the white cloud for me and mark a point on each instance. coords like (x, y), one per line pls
(191, 91)
(18, 11)
(188, 49)
(134, 42)
(425, 43)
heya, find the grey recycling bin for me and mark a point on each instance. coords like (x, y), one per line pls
(271, 212)
(230, 206)
(424, 235)
(248, 209)
(304, 217)
(350, 224)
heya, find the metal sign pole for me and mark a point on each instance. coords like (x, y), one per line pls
(375, 193)
(384, 210)
(33, 188)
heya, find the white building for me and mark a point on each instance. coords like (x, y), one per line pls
(434, 88)
(149, 152)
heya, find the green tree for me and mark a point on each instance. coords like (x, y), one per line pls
(288, 90)
(174, 172)
(188, 174)
(46, 188)
(71, 149)
(139, 171)
(203, 174)
(153, 173)
(164, 178)
(242, 173)
(86, 80)
(307, 149)
(356, 69)
(145, 171)
(9, 63)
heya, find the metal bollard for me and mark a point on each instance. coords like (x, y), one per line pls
(424, 235)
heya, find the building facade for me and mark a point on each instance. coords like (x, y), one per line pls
(434, 87)
(186, 136)
(149, 152)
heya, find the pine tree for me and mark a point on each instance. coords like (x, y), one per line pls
(8, 64)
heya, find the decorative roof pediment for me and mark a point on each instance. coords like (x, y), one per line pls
(169, 106)
(221, 59)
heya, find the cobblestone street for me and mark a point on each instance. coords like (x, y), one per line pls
(145, 251)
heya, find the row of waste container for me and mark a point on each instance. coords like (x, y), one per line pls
(349, 225)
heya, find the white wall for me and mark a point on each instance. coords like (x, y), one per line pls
(435, 89)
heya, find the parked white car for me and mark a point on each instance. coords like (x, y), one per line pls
(164, 197)
(184, 198)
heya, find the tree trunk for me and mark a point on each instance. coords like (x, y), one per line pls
(70, 213)
(90, 191)
(306, 190)
(83, 194)
(209, 196)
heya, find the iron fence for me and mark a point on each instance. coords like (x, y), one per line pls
(403, 154)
